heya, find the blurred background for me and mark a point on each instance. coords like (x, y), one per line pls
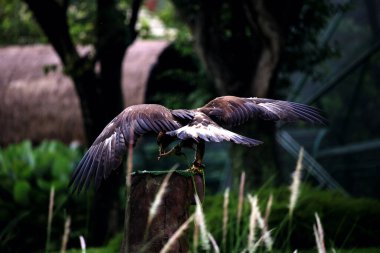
(68, 67)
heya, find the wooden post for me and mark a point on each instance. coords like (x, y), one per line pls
(171, 214)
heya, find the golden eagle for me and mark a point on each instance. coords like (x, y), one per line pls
(197, 126)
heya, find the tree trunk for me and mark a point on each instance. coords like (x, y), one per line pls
(100, 91)
(171, 214)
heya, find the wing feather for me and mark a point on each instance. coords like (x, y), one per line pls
(204, 128)
(107, 151)
(99, 169)
(232, 111)
(86, 168)
(103, 163)
(183, 114)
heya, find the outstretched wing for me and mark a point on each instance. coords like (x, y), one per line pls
(107, 151)
(203, 128)
(232, 111)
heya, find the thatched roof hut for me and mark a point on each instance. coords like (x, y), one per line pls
(37, 105)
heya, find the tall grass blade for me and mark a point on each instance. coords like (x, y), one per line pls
(82, 244)
(157, 200)
(252, 223)
(319, 235)
(296, 182)
(225, 217)
(177, 235)
(255, 246)
(200, 221)
(241, 200)
(213, 243)
(268, 209)
(265, 235)
(195, 238)
(66, 234)
(50, 219)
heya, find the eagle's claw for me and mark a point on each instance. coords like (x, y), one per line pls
(197, 168)
(174, 151)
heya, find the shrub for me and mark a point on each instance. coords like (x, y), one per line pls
(27, 174)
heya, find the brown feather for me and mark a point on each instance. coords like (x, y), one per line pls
(107, 151)
(232, 111)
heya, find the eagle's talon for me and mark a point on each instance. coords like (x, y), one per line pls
(197, 168)
(177, 150)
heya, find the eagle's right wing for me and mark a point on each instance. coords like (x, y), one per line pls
(232, 111)
(201, 127)
(107, 151)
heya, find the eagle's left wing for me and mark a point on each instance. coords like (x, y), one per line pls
(109, 148)
(232, 111)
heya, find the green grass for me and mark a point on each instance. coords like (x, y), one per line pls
(347, 222)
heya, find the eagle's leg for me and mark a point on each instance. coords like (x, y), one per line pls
(176, 150)
(197, 166)
(163, 142)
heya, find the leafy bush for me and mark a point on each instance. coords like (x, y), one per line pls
(27, 174)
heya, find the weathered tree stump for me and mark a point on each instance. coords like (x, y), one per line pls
(171, 214)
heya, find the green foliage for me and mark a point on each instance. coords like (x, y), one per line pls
(27, 174)
(179, 80)
(112, 246)
(347, 222)
(50, 164)
(81, 18)
(17, 25)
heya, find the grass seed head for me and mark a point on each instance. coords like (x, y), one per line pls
(177, 234)
(200, 220)
(225, 216)
(296, 183)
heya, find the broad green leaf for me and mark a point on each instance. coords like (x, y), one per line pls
(21, 192)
